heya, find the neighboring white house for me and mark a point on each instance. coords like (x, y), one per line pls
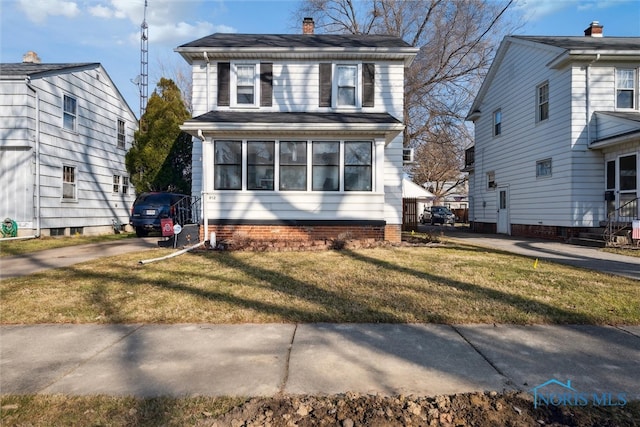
(557, 135)
(64, 133)
(298, 136)
(411, 190)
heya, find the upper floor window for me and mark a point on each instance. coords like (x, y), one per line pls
(497, 122)
(69, 113)
(543, 102)
(245, 84)
(116, 183)
(69, 184)
(347, 85)
(625, 88)
(121, 134)
(543, 168)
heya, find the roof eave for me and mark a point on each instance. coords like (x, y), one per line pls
(615, 140)
(387, 130)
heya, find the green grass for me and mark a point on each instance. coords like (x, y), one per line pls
(59, 410)
(21, 247)
(452, 283)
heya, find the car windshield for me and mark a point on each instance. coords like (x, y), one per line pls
(440, 209)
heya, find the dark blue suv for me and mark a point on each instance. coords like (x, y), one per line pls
(149, 208)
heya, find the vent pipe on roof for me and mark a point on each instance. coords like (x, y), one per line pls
(308, 26)
(594, 30)
(31, 57)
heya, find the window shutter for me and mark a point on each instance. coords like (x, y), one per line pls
(266, 84)
(368, 84)
(325, 85)
(224, 85)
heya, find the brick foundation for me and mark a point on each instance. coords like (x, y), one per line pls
(550, 232)
(299, 233)
(393, 233)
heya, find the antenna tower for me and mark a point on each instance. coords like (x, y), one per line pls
(144, 62)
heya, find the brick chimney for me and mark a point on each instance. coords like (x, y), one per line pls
(594, 30)
(308, 26)
(31, 57)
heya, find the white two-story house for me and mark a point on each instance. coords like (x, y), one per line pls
(298, 137)
(64, 133)
(557, 136)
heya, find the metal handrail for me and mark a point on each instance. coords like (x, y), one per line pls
(614, 223)
(186, 210)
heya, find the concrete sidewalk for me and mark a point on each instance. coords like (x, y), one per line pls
(263, 360)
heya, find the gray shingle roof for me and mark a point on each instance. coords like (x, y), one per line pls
(586, 43)
(29, 69)
(224, 40)
(295, 117)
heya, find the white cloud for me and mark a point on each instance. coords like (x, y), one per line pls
(538, 9)
(38, 10)
(101, 12)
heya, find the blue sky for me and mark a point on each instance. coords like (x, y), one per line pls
(108, 31)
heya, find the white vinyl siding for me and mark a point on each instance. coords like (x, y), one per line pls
(295, 87)
(91, 149)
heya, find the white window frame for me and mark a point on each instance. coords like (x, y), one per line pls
(73, 183)
(497, 122)
(125, 184)
(116, 184)
(544, 168)
(121, 133)
(73, 115)
(491, 180)
(234, 85)
(540, 103)
(358, 85)
(633, 89)
(309, 165)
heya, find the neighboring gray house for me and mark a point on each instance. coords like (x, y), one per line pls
(557, 136)
(298, 137)
(64, 133)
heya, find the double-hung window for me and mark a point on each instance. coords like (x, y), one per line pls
(542, 93)
(625, 88)
(245, 84)
(69, 184)
(346, 85)
(497, 122)
(121, 134)
(69, 115)
(116, 183)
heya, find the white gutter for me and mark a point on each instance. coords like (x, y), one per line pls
(587, 98)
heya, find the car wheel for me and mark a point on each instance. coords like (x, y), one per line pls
(141, 232)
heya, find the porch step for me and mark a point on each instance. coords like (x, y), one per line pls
(594, 238)
(585, 241)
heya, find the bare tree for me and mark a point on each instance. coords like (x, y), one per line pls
(457, 41)
(179, 72)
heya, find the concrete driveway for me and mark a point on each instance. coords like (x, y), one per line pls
(545, 250)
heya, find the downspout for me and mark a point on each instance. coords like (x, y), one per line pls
(206, 58)
(588, 100)
(37, 143)
(203, 193)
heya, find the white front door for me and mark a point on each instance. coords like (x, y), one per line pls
(502, 226)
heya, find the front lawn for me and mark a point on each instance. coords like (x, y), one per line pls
(452, 283)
